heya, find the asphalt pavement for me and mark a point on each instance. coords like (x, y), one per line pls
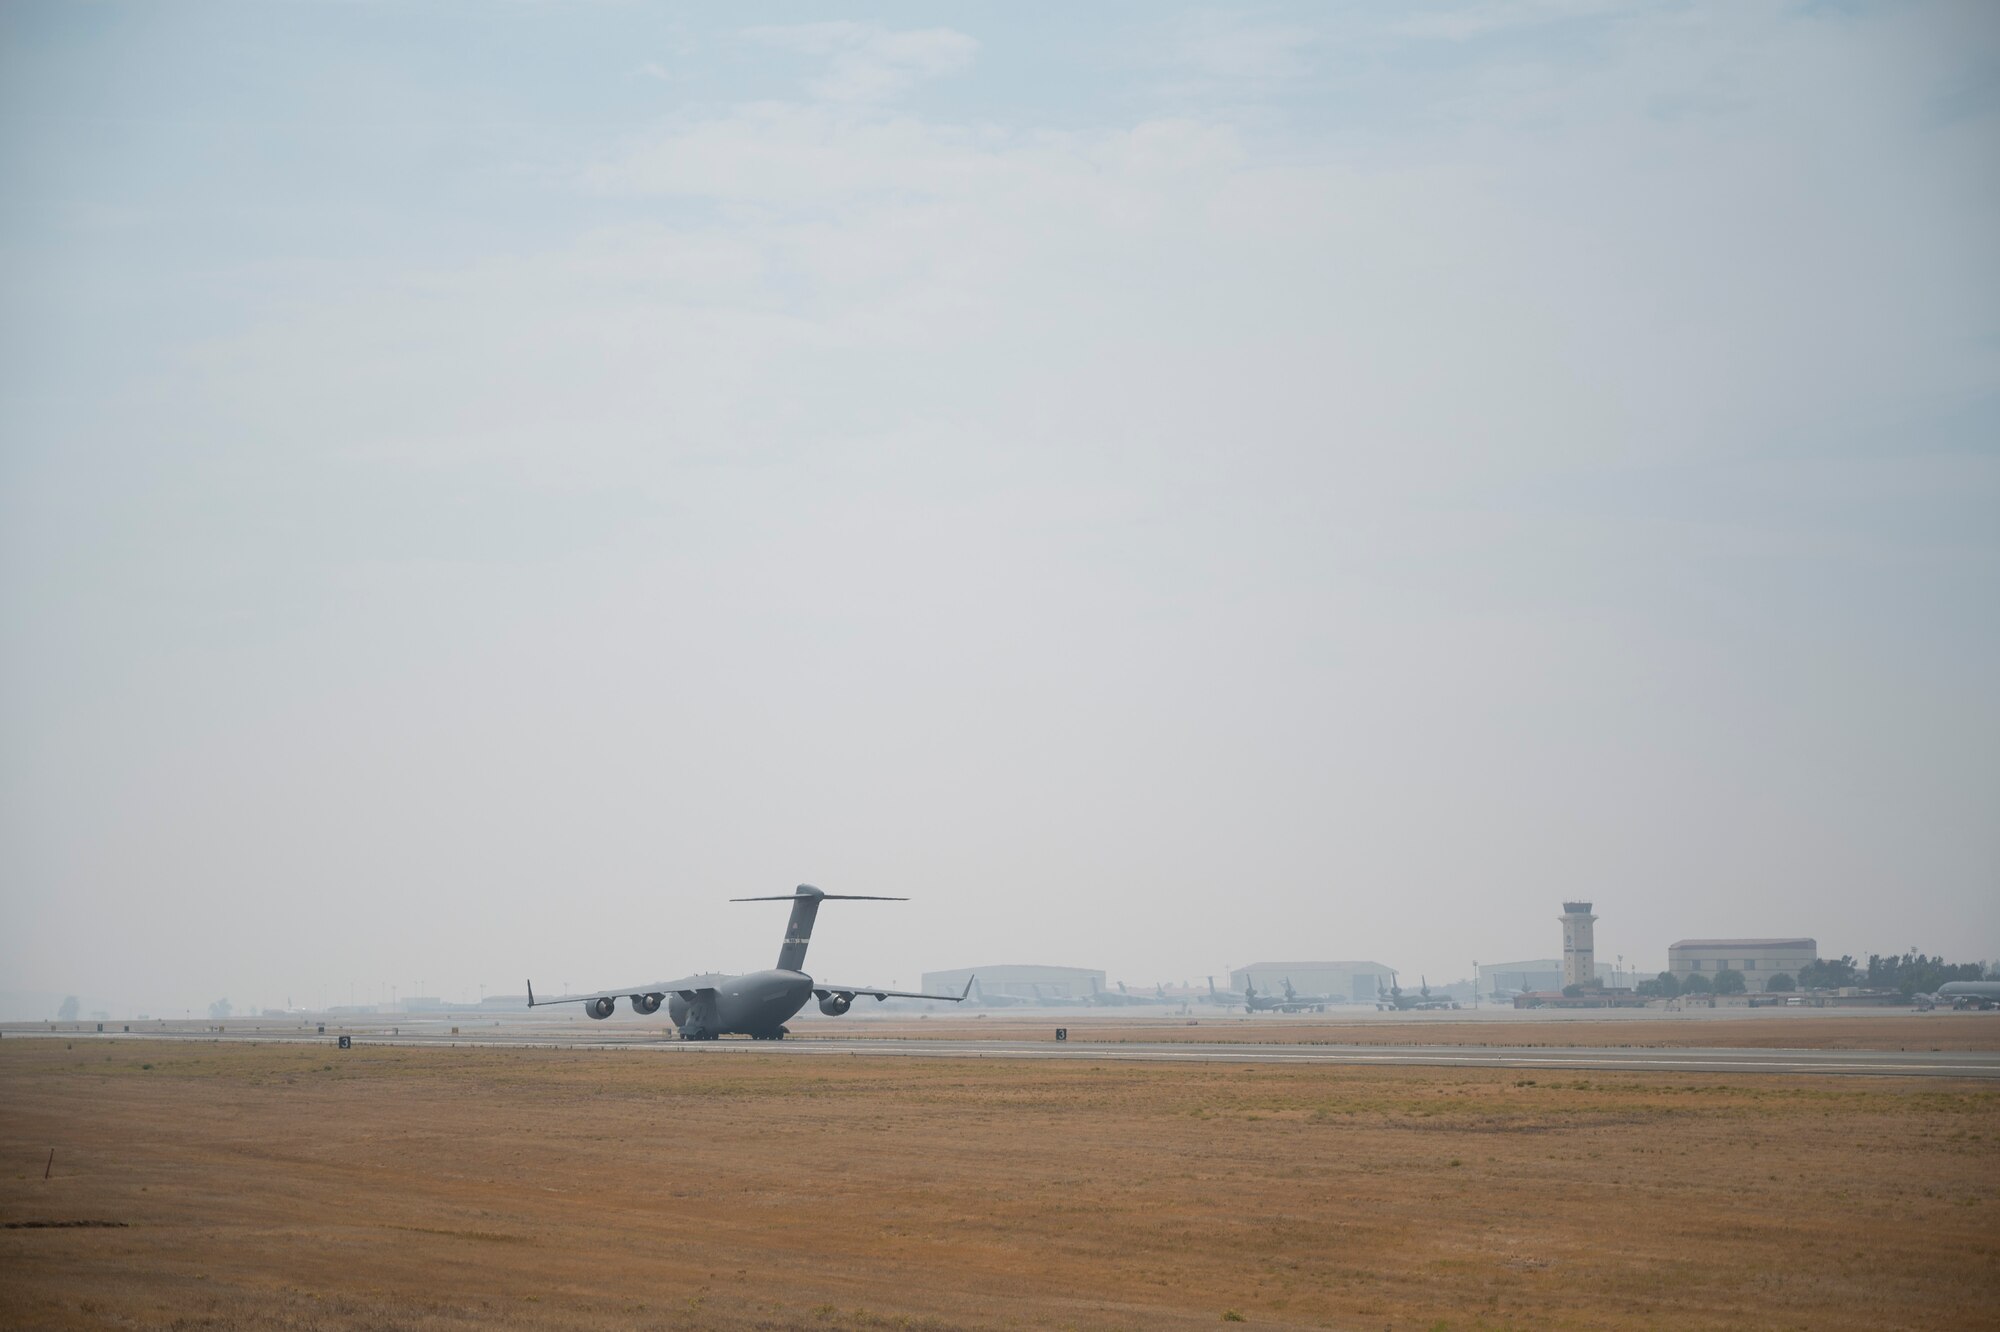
(1555, 1059)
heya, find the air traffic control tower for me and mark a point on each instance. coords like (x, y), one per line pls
(1579, 945)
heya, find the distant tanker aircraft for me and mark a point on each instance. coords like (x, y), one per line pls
(754, 1005)
(1291, 1002)
(1969, 994)
(1395, 1001)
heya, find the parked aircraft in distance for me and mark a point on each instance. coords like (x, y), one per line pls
(1316, 1002)
(1394, 1000)
(1224, 997)
(1122, 998)
(1290, 1002)
(757, 1004)
(1969, 994)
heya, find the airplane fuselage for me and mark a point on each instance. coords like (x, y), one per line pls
(1970, 994)
(755, 1004)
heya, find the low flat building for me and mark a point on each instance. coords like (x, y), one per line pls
(1358, 982)
(1758, 959)
(1534, 976)
(1537, 975)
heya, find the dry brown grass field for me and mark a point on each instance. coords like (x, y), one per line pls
(305, 1187)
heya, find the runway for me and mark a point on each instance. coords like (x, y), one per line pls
(1983, 1065)
(1880, 1063)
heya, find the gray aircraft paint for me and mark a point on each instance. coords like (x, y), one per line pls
(1394, 998)
(1979, 993)
(756, 1004)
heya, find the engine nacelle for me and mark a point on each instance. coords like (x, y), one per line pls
(833, 1005)
(647, 1003)
(600, 1008)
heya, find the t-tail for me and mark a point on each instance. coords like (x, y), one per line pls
(805, 909)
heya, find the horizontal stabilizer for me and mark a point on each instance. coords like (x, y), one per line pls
(805, 900)
(821, 897)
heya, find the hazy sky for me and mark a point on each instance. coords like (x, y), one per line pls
(480, 485)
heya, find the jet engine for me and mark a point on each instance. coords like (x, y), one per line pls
(833, 1005)
(647, 1003)
(600, 1008)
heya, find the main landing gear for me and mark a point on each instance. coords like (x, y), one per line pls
(692, 1033)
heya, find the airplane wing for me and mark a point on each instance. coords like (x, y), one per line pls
(687, 987)
(822, 989)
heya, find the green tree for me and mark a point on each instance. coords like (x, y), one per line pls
(67, 1011)
(1731, 982)
(1696, 984)
(1913, 971)
(1781, 984)
(1829, 973)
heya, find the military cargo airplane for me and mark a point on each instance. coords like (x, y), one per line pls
(1393, 999)
(1316, 1002)
(1291, 1001)
(754, 1005)
(1121, 997)
(1969, 994)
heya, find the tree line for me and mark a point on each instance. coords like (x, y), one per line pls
(1910, 973)
(1666, 985)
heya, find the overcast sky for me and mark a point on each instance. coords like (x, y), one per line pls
(480, 485)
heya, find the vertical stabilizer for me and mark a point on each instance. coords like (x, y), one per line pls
(799, 929)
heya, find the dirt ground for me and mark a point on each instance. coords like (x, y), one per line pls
(304, 1187)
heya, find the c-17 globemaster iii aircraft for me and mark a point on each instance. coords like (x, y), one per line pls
(755, 1005)
(1393, 1000)
(1253, 1002)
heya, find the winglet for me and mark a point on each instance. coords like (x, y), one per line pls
(968, 989)
(531, 994)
